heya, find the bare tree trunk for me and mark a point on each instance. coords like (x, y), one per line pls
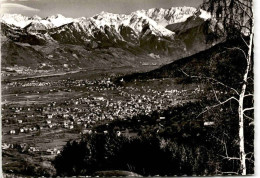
(242, 154)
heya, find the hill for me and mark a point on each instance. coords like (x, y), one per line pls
(220, 62)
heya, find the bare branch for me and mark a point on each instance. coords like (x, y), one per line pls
(226, 152)
(250, 118)
(221, 141)
(250, 157)
(251, 17)
(225, 145)
(214, 106)
(244, 41)
(215, 94)
(248, 109)
(249, 95)
(243, 4)
(250, 153)
(209, 78)
(237, 48)
(229, 173)
(230, 158)
(251, 78)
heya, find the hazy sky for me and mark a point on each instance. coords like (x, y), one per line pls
(86, 8)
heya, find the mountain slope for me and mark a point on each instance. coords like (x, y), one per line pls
(218, 62)
(198, 32)
(57, 56)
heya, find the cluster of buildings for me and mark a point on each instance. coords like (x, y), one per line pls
(104, 101)
(101, 100)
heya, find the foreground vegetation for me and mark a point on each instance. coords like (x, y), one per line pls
(177, 144)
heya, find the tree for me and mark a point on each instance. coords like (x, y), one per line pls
(237, 19)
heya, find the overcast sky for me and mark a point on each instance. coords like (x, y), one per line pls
(86, 8)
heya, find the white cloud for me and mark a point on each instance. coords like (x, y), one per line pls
(14, 6)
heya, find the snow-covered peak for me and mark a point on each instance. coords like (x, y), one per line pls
(137, 20)
(21, 21)
(35, 17)
(172, 15)
(57, 16)
(17, 20)
(59, 20)
(108, 19)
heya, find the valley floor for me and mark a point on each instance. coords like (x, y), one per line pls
(41, 113)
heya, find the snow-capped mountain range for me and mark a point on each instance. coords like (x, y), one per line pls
(106, 38)
(162, 17)
(136, 23)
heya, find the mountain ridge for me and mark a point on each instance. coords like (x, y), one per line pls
(138, 34)
(153, 13)
(138, 22)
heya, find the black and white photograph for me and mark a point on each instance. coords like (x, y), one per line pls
(127, 88)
